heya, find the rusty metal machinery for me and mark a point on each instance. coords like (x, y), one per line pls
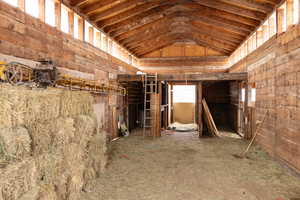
(47, 75)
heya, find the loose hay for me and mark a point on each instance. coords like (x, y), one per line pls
(85, 129)
(52, 135)
(97, 153)
(15, 143)
(18, 178)
(76, 103)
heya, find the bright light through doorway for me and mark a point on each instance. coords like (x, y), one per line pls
(184, 94)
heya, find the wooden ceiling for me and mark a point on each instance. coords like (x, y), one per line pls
(144, 26)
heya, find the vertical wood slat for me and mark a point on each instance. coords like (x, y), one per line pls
(98, 40)
(172, 103)
(289, 13)
(58, 14)
(42, 10)
(199, 109)
(91, 35)
(81, 28)
(71, 22)
(280, 18)
(271, 23)
(246, 111)
(21, 4)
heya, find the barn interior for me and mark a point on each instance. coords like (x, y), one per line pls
(144, 100)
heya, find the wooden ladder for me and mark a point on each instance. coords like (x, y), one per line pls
(150, 87)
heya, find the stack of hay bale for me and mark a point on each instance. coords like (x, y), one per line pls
(50, 143)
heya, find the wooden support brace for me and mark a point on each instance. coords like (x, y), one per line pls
(81, 28)
(91, 35)
(280, 18)
(289, 12)
(71, 22)
(199, 109)
(58, 15)
(98, 40)
(42, 10)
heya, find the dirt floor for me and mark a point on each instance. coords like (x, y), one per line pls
(180, 166)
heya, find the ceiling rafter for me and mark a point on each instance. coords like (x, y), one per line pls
(232, 9)
(114, 10)
(132, 12)
(148, 25)
(260, 6)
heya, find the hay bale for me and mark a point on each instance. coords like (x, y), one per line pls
(97, 153)
(12, 106)
(85, 128)
(63, 132)
(47, 192)
(42, 105)
(75, 187)
(75, 103)
(53, 134)
(15, 143)
(41, 135)
(17, 179)
(31, 195)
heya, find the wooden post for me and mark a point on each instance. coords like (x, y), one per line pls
(289, 13)
(280, 18)
(199, 109)
(21, 4)
(42, 10)
(98, 40)
(58, 15)
(91, 35)
(71, 22)
(81, 28)
(246, 116)
(271, 23)
(171, 104)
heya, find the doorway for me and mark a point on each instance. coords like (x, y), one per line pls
(184, 98)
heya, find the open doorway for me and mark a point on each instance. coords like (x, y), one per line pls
(183, 108)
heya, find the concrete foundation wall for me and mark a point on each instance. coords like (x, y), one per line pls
(274, 68)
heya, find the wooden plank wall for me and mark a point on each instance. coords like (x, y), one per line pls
(274, 69)
(182, 50)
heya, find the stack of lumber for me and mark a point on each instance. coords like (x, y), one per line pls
(209, 120)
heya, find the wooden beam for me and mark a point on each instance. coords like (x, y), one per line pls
(154, 48)
(131, 12)
(280, 19)
(222, 25)
(138, 21)
(91, 35)
(71, 22)
(58, 14)
(233, 9)
(213, 44)
(260, 6)
(217, 31)
(94, 6)
(289, 13)
(77, 2)
(224, 14)
(189, 77)
(42, 10)
(111, 11)
(81, 28)
(141, 29)
(199, 108)
(98, 40)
